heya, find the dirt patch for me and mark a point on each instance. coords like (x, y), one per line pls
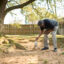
(30, 55)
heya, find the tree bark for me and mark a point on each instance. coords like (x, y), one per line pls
(2, 10)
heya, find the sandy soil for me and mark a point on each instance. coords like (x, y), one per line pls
(30, 55)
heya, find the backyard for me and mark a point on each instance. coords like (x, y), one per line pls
(28, 55)
(21, 21)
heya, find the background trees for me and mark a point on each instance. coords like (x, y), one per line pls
(33, 10)
(4, 10)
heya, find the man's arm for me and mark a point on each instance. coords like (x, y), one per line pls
(41, 32)
(48, 31)
(44, 32)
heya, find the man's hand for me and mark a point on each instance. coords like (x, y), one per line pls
(48, 31)
(39, 36)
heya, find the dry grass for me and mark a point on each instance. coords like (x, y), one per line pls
(30, 56)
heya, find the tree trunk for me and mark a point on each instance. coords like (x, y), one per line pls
(2, 9)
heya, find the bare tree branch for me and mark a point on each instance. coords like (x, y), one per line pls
(18, 6)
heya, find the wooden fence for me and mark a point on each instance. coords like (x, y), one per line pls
(27, 29)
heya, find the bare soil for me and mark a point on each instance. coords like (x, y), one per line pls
(30, 55)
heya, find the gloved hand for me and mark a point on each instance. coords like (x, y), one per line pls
(35, 45)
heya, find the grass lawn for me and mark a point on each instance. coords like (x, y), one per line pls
(35, 35)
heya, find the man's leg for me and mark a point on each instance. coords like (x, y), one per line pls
(54, 38)
(45, 42)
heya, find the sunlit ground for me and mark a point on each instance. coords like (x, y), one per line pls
(30, 55)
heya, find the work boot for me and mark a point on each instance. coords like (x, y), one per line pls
(55, 49)
(45, 48)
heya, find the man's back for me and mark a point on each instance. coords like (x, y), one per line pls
(50, 24)
(53, 22)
